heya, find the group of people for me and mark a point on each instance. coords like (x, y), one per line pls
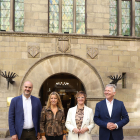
(29, 121)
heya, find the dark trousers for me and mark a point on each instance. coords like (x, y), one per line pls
(111, 138)
(28, 135)
(54, 137)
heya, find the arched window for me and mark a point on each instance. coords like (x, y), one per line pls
(67, 16)
(12, 15)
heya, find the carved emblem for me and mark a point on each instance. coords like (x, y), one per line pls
(92, 52)
(33, 51)
(63, 45)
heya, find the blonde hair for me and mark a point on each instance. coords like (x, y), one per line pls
(59, 104)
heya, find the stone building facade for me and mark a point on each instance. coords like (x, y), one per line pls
(36, 54)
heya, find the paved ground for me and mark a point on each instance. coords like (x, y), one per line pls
(97, 138)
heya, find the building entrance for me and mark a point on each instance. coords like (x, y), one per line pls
(67, 85)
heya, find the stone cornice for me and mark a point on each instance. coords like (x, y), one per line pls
(78, 36)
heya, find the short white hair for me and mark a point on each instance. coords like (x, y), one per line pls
(113, 86)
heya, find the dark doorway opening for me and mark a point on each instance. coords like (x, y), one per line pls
(67, 85)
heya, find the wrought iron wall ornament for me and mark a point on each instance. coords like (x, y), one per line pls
(9, 77)
(115, 79)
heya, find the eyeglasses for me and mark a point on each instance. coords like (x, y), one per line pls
(80, 97)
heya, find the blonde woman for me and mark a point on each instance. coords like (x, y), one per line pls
(79, 120)
(52, 121)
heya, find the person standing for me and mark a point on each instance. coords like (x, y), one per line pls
(111, 116)
(52, 121)
(79, 120)
(24, 115)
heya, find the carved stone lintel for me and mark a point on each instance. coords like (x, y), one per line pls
(92, 52)
(33, 51)
(63, 45)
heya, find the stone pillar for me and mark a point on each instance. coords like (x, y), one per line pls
(133, 18)
(12, 3)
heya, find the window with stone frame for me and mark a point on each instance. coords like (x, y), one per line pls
(12, 15)
(5, 15)
(113, 17)
(137, 18)
(67, 16)
(124, 17)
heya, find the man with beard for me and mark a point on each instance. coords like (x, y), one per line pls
(24, 115)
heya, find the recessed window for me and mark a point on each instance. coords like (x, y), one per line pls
(67, 16)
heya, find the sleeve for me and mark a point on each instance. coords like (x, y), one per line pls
(12, 118)
(97, 118)
(63, 123)
(42, 122)
(124, 115)
(91, 125)
(68, 123)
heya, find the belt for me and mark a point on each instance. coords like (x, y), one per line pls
(31, 129)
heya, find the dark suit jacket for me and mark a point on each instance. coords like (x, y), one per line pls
(16, 115)
(119, 116)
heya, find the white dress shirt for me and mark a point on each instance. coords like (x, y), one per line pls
(27, 109)
(110, 108)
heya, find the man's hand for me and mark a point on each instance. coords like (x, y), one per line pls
(83, 130)
(75, 130)
(111, 126)
(14, 137)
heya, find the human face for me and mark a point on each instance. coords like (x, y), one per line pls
(53, 100)
(81, 99)
(27, 89)
(109, 93)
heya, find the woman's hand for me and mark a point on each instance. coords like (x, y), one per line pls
(43, 138)
(83, 130)
(64, 137)
(75, 130)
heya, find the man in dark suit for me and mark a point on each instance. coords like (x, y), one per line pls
(24, 115)
(111, 116)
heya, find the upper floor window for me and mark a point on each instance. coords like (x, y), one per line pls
(126, 7)
(137, 18)
(124, 17)
(67, 16)
(5, 15)
(18, 15)
(113, 17)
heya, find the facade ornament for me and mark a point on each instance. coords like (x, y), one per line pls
(63, 45)
(92, 52)
(9, 77)
(115, 79)
(33, 51)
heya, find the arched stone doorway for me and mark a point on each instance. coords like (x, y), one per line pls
(67, 85)
(64, 63)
